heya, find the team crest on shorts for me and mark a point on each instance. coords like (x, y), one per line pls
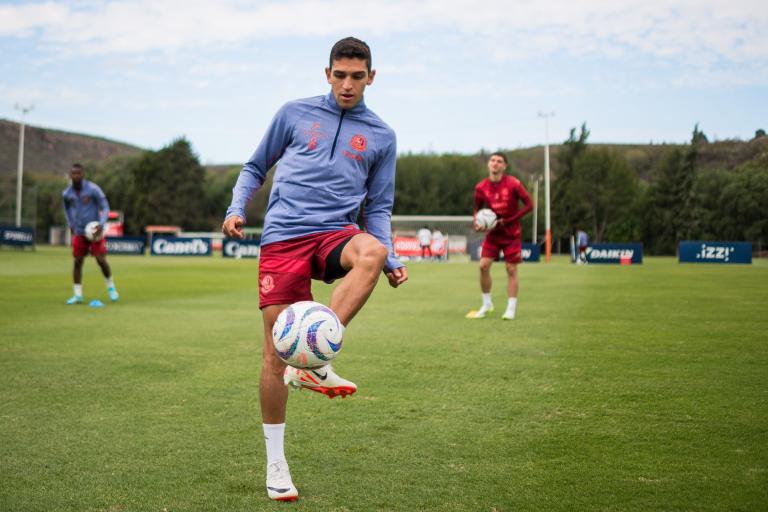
(358, 142)
(267, 284)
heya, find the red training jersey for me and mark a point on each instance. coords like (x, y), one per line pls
(503, 197)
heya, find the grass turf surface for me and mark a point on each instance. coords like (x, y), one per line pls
(617, 388)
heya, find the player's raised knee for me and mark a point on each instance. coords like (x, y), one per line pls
(376, 253)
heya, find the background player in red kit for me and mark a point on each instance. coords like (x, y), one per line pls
(502, 194)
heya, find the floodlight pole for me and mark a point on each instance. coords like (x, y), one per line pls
(548, 232)
(20, 169)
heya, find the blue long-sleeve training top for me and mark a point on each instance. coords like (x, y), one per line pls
(332, 161)
(85, 206)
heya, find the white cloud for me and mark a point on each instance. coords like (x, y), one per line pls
(736, 30)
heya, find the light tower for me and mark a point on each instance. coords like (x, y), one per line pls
(548, 230)
(20, 169)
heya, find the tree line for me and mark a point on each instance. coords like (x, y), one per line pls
(594, 188)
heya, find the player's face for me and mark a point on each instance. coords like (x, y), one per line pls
(496, 167)
(77, 176)
(348, 79)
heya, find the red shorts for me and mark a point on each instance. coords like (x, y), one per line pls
(81, 246)
(286, 268)
(512, 248)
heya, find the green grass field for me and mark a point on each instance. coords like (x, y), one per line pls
(617, 388)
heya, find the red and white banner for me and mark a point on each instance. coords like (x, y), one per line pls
(409, 246)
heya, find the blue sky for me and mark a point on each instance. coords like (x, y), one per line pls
(453, 76)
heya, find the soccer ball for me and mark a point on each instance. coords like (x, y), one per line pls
(91, 230)
(307, 335)
(485, 219)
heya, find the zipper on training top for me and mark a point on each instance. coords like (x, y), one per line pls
(338, 129)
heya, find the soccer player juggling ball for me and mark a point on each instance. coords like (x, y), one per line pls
(84, 202)
(501, 193)
(335, 155)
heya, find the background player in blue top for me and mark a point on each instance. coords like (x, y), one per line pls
(85, 202)
(335, 156)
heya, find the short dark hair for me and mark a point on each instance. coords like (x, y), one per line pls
(77, 166)
(351, 48)
(502, 155)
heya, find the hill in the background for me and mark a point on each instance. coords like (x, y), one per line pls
(53, 151)
(49, 151)
(643, 158)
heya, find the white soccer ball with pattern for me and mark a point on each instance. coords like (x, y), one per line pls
(485, 219)
(92, 232)
(307, 334)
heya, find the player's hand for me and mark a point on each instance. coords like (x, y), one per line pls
(99, 231)
(233, 227)
(397, 277)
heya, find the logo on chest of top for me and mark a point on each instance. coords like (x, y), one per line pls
(358, 142)
(315, 134)
(85, 199)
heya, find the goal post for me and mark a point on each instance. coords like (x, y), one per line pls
(457, 230)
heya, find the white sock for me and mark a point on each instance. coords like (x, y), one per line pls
(110, 282)
(78, 290)
(512, 304)
(487, 300)
(273, 437)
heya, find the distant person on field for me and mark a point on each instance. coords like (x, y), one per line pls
(84, 202)
(582, 241)
(438, 242)
(425, 241)
(335, 156)
(502, 194)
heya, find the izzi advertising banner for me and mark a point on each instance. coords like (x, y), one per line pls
(178, 246)
(715, 252)
(620, 254)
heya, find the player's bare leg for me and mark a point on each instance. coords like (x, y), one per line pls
(364, 257)
(485, 287)
(77, 270)
(77, 280)
(273, 397)
(512, 289)
(101, 259)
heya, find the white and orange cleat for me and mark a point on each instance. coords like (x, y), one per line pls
(321, 380)
(279, 484)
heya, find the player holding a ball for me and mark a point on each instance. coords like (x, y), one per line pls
(335, 155)
(502, 194)
(84, 202)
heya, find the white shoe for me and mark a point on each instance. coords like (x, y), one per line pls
(508, 315)
(484, 311)
(279, 484)
(321, 380)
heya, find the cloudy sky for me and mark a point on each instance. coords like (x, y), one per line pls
(452, 75)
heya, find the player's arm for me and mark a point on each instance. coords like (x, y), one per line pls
(254, 172)
(479, 203)
(103, 205)
(68, 213)
(521, 195)
(377, 211)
